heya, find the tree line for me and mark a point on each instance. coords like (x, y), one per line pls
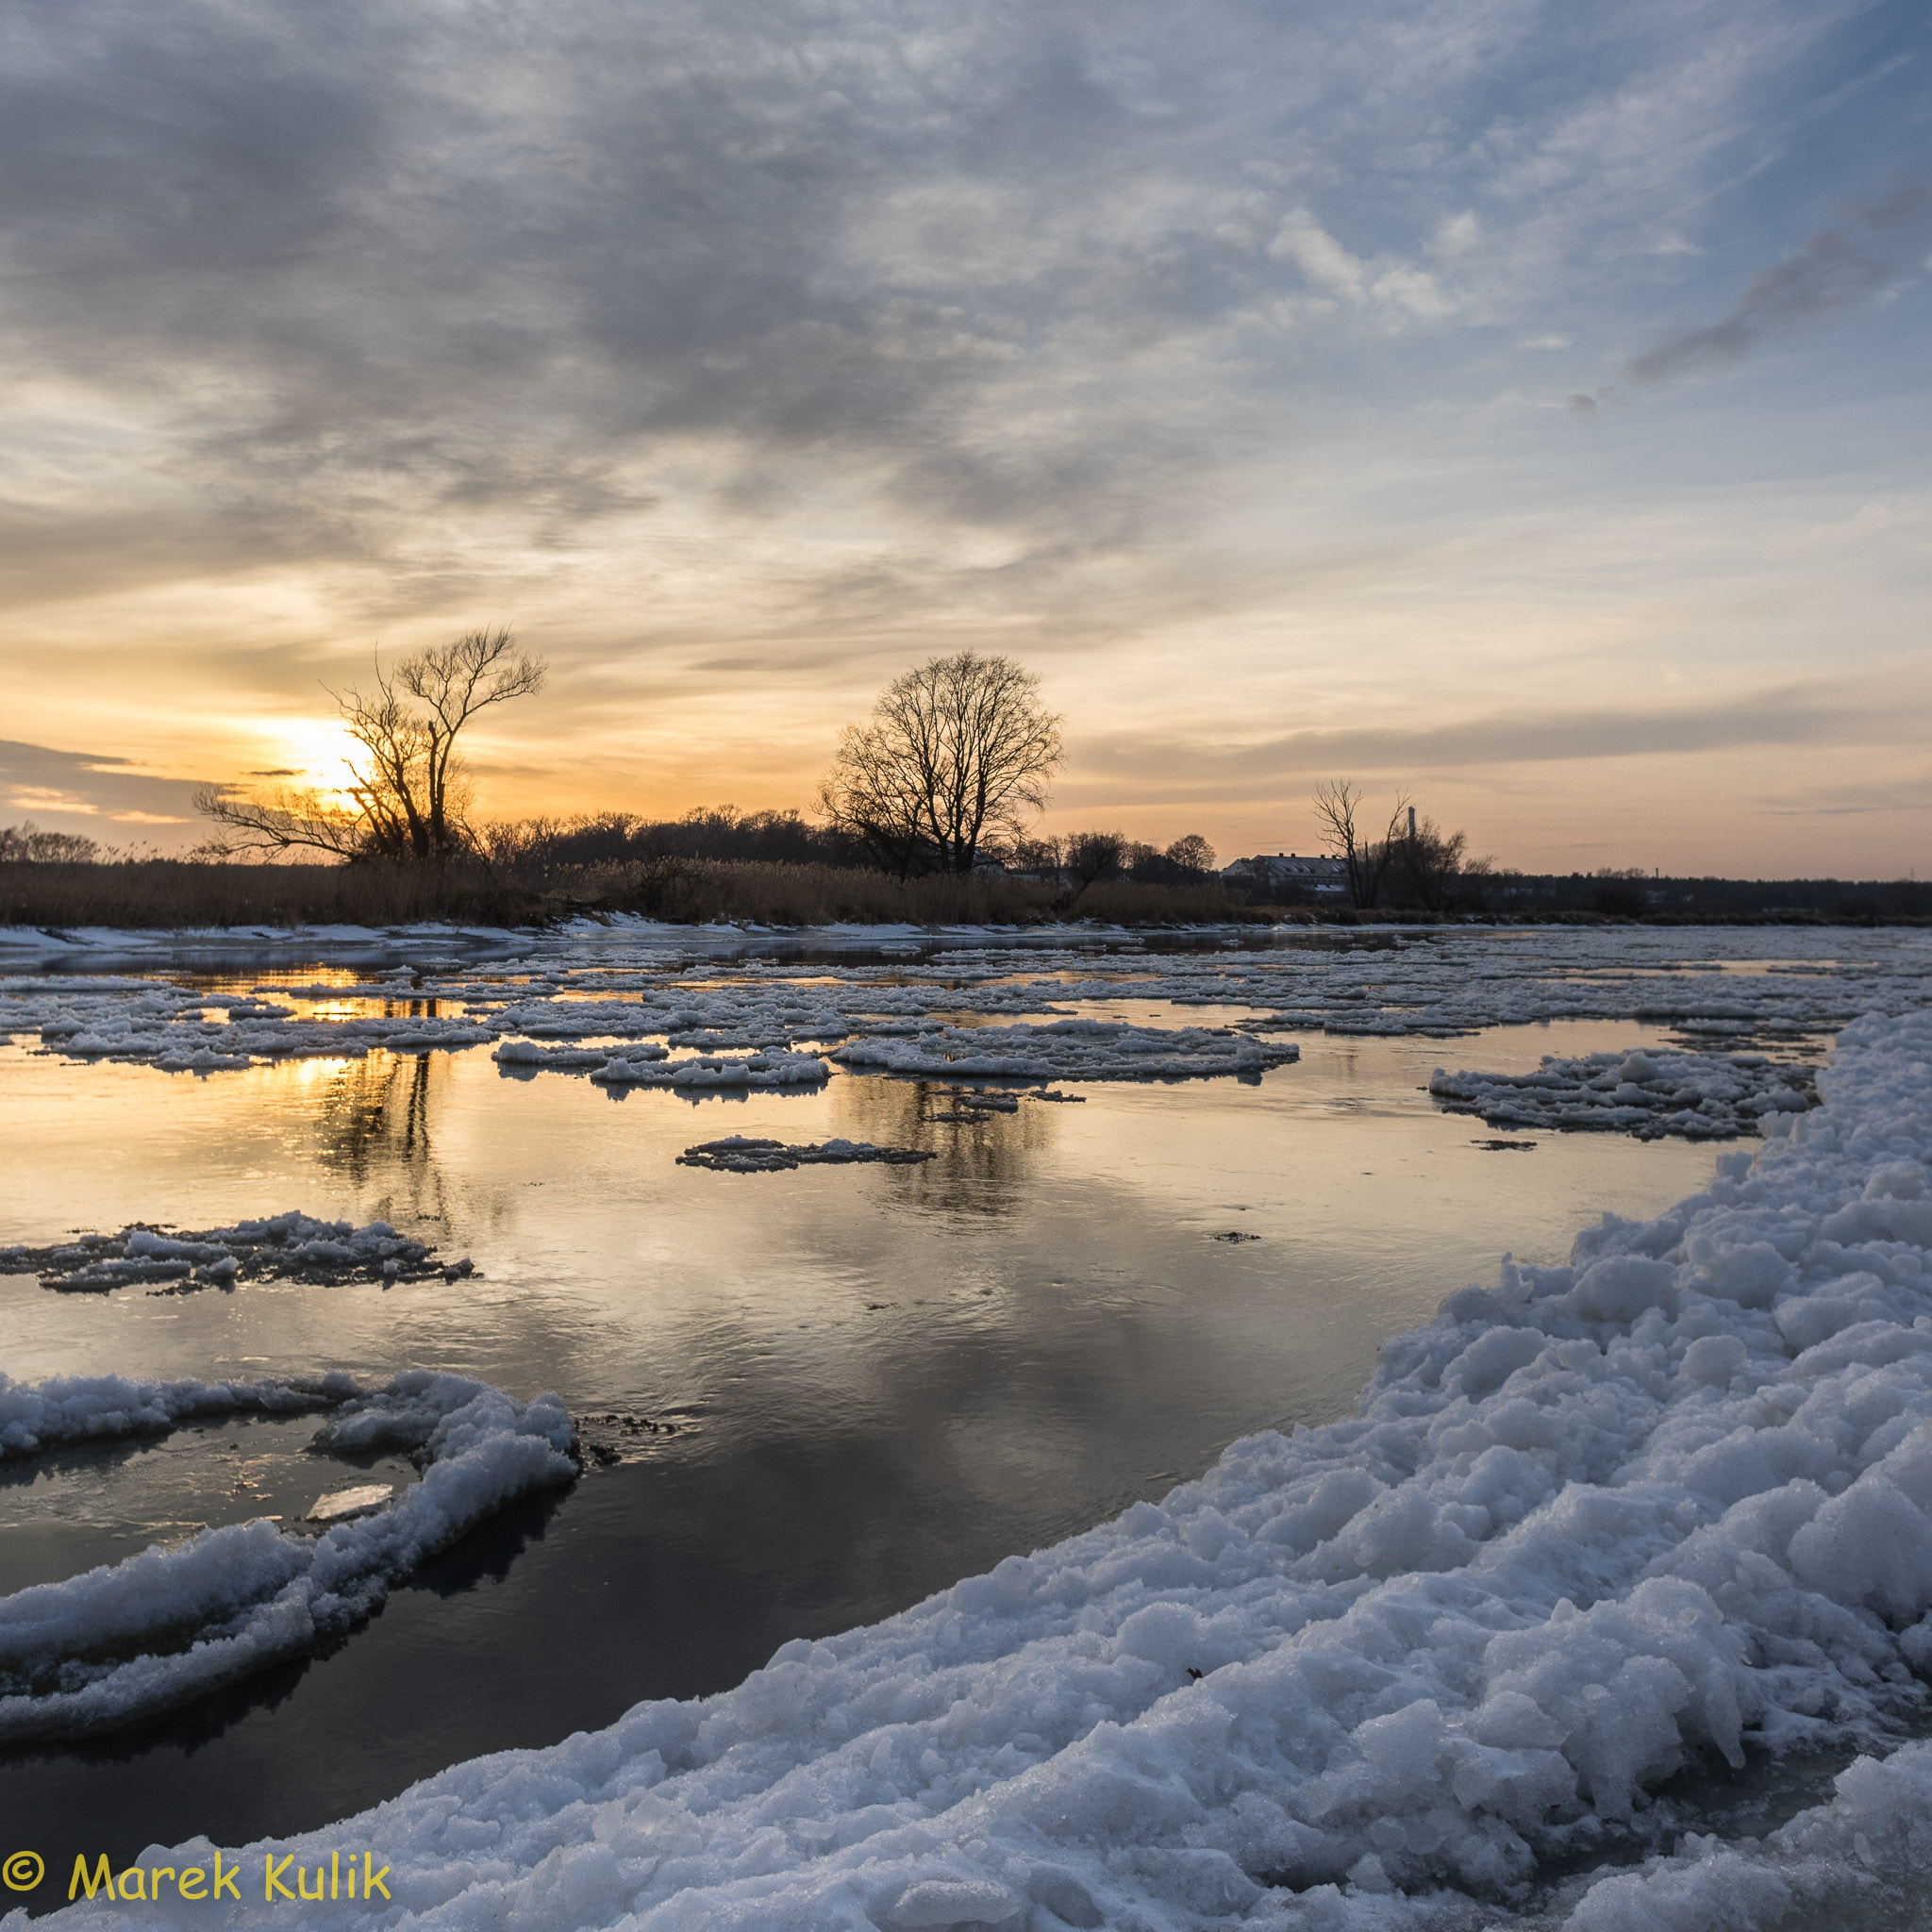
(947, 776)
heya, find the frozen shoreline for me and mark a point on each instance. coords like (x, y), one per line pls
(1692, 1468)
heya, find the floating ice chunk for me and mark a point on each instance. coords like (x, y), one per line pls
(68, 1409)
(517, 1054)
(705, 1072)
(160, 1629)
(1070, 1049)
(741, 1154)
(1696, 1096)
(339, 1504)
(282, 1248)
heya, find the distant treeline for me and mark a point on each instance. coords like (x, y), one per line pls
(540, 850)
(1484, 892)
(776, 868)
(543, 851)
(1635, 895)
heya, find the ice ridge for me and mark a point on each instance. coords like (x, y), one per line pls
(130, 1639)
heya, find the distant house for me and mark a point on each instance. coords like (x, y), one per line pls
(1287, 874)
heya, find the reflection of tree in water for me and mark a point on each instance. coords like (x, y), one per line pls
(374, 1127)
(979, 1162)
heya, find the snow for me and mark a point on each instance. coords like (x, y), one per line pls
(627, 986)
(130, 1639)
(67, 1411)
(743, 1154)
(291, 1246)
(1668, 1505)
(1697, 1096)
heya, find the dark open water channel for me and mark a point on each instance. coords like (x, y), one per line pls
(881, 1379)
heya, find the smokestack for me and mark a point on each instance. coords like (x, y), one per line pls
(1411, 824)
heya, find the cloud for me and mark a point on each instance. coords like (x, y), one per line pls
(1582, 407)
(1795, 715)
(428, 289)
(1837, 268)
(52, 784)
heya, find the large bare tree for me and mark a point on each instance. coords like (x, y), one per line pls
(406, 791)
(960, 751)
(1367, 856)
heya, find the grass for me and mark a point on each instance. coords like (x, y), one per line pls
(174, 895)
(168, 894)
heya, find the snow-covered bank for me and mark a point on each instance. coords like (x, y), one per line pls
(1668, 1501)
(130, 1639)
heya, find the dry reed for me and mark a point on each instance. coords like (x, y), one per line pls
(177, 894)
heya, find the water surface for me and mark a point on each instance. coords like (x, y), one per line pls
(875, 1380)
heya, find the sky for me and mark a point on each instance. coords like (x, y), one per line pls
(1522, 405)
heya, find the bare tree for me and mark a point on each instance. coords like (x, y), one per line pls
(407, 790)
(1366, 856)
(960, 751)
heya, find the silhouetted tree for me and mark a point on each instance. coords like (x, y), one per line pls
(959, 752)
(1429, 862)
(27, 844)
(407, 791)
(1192, 853)
(1089, 857)
(1366, 856)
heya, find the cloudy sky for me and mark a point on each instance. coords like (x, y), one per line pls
(1520, 402)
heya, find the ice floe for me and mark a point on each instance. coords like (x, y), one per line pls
(646, 1064)
(160, 1629)
(292, 1246)
(66, 1411)
(583, 993)
(1069, 1050)
(703, 1072)
(1649, 1093)
(743, 1154)
(1426, 1666)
